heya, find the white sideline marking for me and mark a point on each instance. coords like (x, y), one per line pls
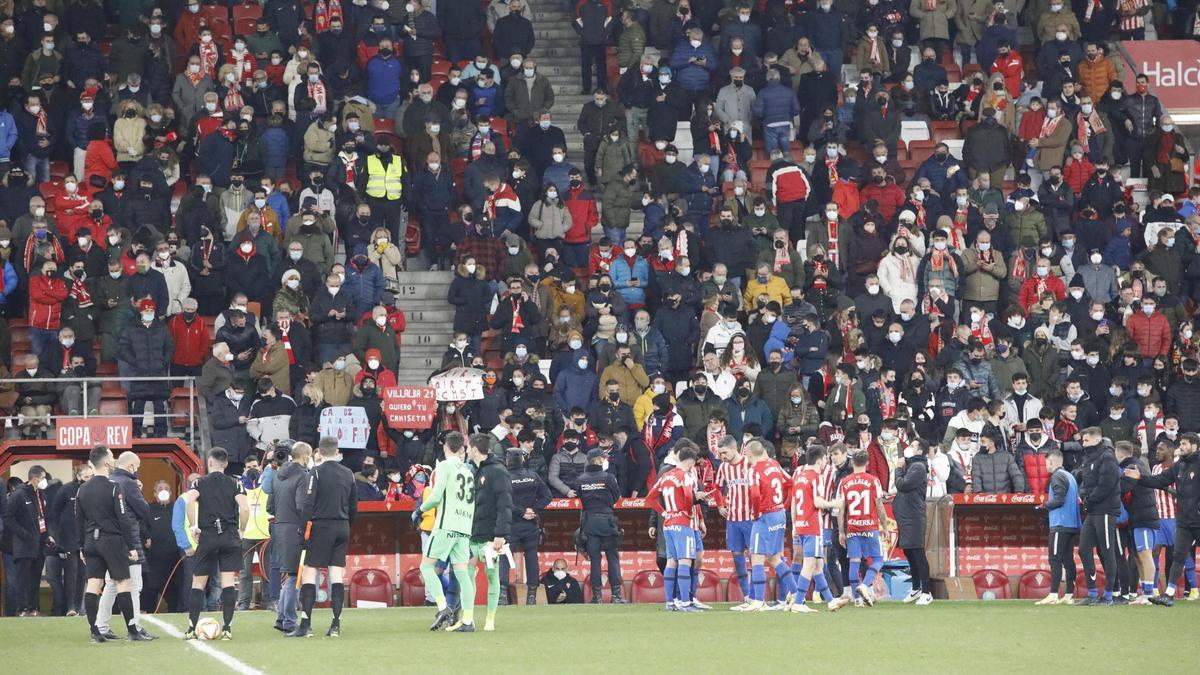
(232, 663)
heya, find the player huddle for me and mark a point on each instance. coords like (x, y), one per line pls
(754, 494)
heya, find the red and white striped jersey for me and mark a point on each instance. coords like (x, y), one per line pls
(693, 480)
(1130, 19)
(860, 493)
(826, 489)
(806, 486)
(733, 489)
(1165, 500)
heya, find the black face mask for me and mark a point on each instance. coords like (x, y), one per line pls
(576, 183)
(614, 396)
(863, 426)
(700, 388)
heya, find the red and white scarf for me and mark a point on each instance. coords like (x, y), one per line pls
(873, 54)
(316, 91)
(233, 97)
(714, 437)
(831, 226)
(284, 327)
(518, 324)
(208, 59)
(1139, 432)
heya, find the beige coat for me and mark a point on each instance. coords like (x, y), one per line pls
(549, 222)
(390, 259)
(934, 23)
(1052, 149)
(318, 145)
(129, 138)
(971, 17)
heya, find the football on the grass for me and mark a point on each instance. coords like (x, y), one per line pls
(208, 629)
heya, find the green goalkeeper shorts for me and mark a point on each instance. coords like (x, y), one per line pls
(450, 547)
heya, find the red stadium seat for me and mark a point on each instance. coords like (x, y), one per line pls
(647, 587)
(373, 585)
(412, 589)
(709, 589)
(440, 67)
(1034, 585)
(109, 406)
(994, 581)
(214, 13)
(758, 173)
(180, 407)
(500, 126)
(249, 10)
(245, 26)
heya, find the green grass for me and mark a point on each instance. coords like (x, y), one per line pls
(944, 637)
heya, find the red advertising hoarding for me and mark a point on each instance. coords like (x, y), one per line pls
(85, 433)
(1172, 68)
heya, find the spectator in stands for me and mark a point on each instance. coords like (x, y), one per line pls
(994, 470)
(146, 349)
(35, 401)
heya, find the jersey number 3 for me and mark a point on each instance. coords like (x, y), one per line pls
(466, 489)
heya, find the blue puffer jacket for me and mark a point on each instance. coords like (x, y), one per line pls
(778, 340)
(756, 411)
(692, 187)
(8, 135)
(621, 272)
(279, 203)
(383, 80)
(775, 103)
(78, 127)
(575, 386)
(826, 30)
(936, 171)
(433, 194)
(364, 285)
(275, 147)
(690, 76)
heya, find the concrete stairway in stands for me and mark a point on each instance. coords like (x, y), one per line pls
(556, 48)
(422, 297)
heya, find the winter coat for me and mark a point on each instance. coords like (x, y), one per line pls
(775, 103)
(911, 481)
(575, 386)
(471, 297)
(754, 411)
(693, 77)
(549, 221)
(192, 341)
(681, 330)
(330, 329)
(979, 284)
(146, 351)
(616, 203)
(996, 472)
(364, 286)
(227, 431)
(933, 23)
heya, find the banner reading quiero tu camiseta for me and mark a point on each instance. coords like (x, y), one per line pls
(1172, 68)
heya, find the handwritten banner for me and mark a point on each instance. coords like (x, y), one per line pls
(458, 384)
(409, 407)
(348, 424)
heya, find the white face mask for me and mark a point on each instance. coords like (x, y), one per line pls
(43, 484)
(147, 317)
(1077, 294)
(381, 321)
(576, 344)
(560, 574)
(164, 495)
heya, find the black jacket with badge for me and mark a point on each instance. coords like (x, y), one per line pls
(1185, 476)
(599, 492)
(21, 536)
(529, 491)
(493, 501)
(1100, 481)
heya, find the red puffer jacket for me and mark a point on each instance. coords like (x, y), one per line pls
(46, 295)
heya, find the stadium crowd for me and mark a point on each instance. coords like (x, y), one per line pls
(809, 274)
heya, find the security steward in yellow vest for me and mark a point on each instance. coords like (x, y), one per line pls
(258, 530)
(383, 180)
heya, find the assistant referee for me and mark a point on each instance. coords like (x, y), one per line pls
(330, 503)
(108, 543)
(218, 506)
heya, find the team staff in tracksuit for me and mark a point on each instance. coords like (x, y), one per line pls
(288, 530)
(599, 492)
(1100, 490)
(492, 523)
(1185, 476)
(530, 495)
(1062, 504)
(1138, 539)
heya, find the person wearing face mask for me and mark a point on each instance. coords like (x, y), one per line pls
(146, 349)
(1166, 157)
(560, 587)
(577, 384)
(30, 538)
(191, 339)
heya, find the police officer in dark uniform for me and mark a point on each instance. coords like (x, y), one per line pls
(530, 495)
(599, 492)
(108, 541)
(329, 504)
(217, 504)
(287, 533)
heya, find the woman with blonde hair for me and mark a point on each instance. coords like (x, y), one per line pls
(383, 252)
(307, 416)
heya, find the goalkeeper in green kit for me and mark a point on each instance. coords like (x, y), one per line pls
(452, 493)
(493, 518)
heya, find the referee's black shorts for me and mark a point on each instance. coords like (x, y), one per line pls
(218, 552)
(106, 555)
(327, 545)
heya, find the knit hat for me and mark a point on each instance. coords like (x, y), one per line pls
(146, 305)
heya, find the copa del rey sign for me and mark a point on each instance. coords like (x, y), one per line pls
(1171, 66)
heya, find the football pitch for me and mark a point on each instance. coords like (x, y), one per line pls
(997, 636)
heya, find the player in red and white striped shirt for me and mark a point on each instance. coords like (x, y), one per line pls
(733, 499)
(808, 545)
(1165, 537)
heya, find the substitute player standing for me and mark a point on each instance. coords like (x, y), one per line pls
(808, 542)
(109, 544)
(860, 499)
(1062, 505)
(489, 530)
(217, 504)
(733, 502)
(770, 492)
(330, 502)
(673, 497)
(452, 493)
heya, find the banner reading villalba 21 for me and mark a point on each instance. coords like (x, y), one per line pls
(1171, 66)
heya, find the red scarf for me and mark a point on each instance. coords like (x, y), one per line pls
(939, 259)
(873, 54)
(887, 399)
(714, 437)
(782, 257)
(42, 122)
(681, 244)
(350, 161)
(1165, 147)
(982, 331)
(1049, 125)
(831, 167)
(208, 59)
(920, 208)
(831, 226)
(316, 91)
(653, 442)
(517, 324)
(907, 273)
(233, 98)
(284, 327)
(80, 294)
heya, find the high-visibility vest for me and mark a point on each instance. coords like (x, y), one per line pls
(258, 525)
(383, 182)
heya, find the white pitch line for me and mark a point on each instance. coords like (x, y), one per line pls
(229, 661)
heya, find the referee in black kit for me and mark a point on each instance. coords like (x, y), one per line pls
(329, 503)
(108, 541)
(218, 506)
